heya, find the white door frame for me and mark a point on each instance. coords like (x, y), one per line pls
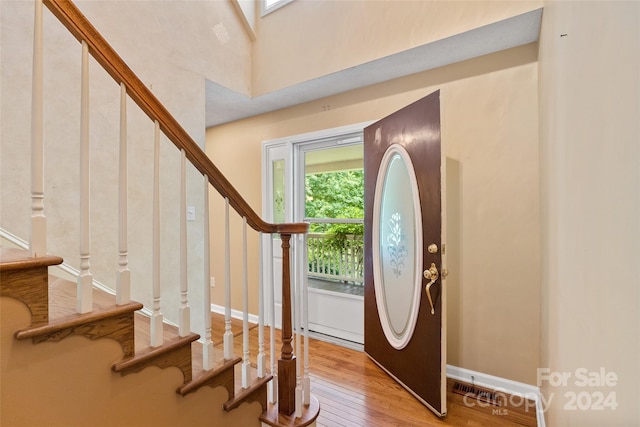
(286, 148)
(272, 253)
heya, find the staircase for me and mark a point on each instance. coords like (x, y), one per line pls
(112, 378)
(26, 279)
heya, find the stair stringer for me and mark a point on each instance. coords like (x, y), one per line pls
(112, 322)
(27, 280)
(70, 383)
(175, 353)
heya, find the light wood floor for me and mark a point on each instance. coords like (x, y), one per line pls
(352, 390)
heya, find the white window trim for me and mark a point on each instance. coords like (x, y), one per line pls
(290, 146)
(264, 10)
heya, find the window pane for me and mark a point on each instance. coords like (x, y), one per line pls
(271, 5)
(334, 183)
(278, 191)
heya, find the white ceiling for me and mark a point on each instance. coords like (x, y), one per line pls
(224, 105)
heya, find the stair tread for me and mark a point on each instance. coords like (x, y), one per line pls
(15, 258)
(203, 378)
(62, 298)
(241, 394)
(74, 320)
(150, 353)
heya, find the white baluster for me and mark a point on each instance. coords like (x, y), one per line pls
(261, 354)
(228, 335)
(315, 255)
(297, 305)
(85, 279)
(352, 246)
(123, 280)
(207, 346)
(245, 309)
(319, 256)
(323, 256)
(184, 322)
(330, 262)
(156, 315)
(38, 230)
(325, 264)
(317, 249)
(273, 384)
(306, 380)
(314, 262)
(339, 253)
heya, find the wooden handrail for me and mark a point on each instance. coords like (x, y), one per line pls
(71, 17)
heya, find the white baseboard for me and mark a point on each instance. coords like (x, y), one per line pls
(71, 271)
(340, 334)
(236, 314)
(13, 239)
(514, 388)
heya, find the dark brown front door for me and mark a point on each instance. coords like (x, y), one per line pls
(404, 301)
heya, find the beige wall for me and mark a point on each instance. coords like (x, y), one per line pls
(590, 186)
(144, 34)
(309, 39)
(158, 38)
(489, 124)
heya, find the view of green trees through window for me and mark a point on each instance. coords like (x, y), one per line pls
(335, 195)
(335, 249)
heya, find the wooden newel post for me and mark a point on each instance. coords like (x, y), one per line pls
(287, 362)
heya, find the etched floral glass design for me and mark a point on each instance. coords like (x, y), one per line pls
(396, 244)
(278, 191)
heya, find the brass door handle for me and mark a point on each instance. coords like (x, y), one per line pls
(432, 275)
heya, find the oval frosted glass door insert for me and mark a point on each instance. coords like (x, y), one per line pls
(397, 246)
